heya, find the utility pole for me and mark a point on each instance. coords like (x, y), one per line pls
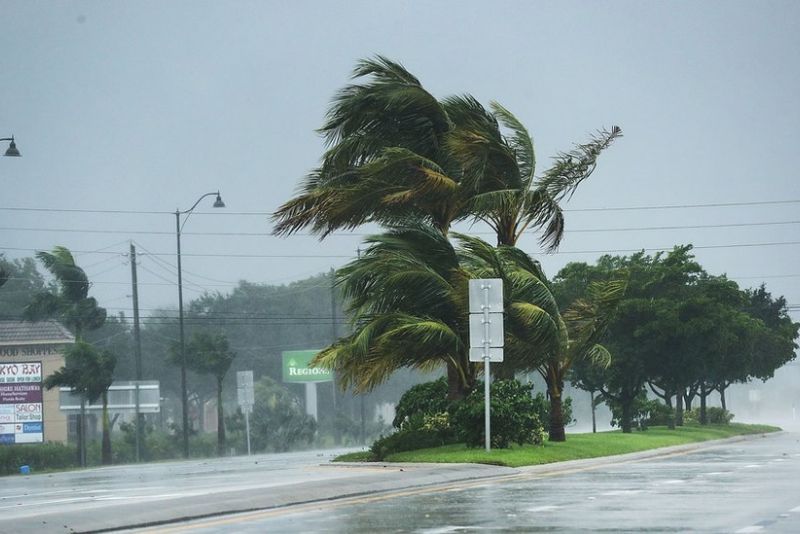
(137, 351)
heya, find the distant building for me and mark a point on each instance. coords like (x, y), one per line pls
(29, 353)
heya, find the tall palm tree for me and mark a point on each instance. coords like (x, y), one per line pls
(397, 154)
(69, 302)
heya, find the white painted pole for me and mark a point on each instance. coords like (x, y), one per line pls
(486, 374)
(247, 427)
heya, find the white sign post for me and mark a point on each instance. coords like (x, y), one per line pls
(246, 397)
(486, 334)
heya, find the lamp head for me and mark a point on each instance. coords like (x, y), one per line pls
(219, 203)
(12, 150)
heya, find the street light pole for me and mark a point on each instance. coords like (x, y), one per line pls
(184, 393)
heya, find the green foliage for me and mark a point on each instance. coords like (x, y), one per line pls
(541, 407)
(23, 281)
(86, 370)
(69, 299)
(39, 457)
(513, 418)
(658, 414)
(714, 416)
(409, 439)
(278, 422)
(580, 446)
(420, 400)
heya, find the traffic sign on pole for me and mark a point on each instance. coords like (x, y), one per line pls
(486, 335)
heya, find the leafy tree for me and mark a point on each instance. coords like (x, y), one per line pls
(209, 353)
(89, 372)
(22, 281)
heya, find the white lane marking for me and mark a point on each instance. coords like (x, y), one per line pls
(443, 530)
(751, 466)
(795, 510)
(673, 481)
(714, 473)
(752, 528)
(543, 508)
(621, 492)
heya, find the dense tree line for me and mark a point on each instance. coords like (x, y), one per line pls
(679, 333)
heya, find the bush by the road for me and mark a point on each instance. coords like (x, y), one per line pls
(513, 416)
(38, 456)
(714, 414)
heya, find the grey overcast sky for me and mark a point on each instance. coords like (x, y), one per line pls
(143, 106)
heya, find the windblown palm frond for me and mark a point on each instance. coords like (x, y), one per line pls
(383, 344)
(573, 167)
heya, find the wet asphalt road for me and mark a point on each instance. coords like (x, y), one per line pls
(745, 486)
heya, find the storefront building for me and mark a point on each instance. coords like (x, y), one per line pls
(29, 353)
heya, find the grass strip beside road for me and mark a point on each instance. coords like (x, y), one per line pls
(577, 446)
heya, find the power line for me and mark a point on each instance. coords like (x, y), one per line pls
(350, 256)
(269, 214)
(361, 234)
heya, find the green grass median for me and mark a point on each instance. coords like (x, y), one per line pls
(577, 446)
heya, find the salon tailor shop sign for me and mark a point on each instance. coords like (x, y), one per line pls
(21, 418)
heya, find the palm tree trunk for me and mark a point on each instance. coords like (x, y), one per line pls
(557, 432)
(679, 408)
(220, 420)
(594, 415)
(722, 389)
(455, 389)
(554, 389)
(106, 447)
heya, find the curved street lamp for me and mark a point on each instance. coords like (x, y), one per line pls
(12, 147)
(218, 203)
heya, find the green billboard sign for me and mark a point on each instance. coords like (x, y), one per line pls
(297, 367)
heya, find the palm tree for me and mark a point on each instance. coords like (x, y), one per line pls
(208, 353)
(70, 303)
(89, 372)
(408, 296)
(538, 336)
(397, 154)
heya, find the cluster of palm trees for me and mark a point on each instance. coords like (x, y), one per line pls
(399, 157)
(87, 370)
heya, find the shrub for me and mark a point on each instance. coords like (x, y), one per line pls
(39, 457)
(513, 416)
(409, 440)
(714, 416)
(656, 413)
(423, 399)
